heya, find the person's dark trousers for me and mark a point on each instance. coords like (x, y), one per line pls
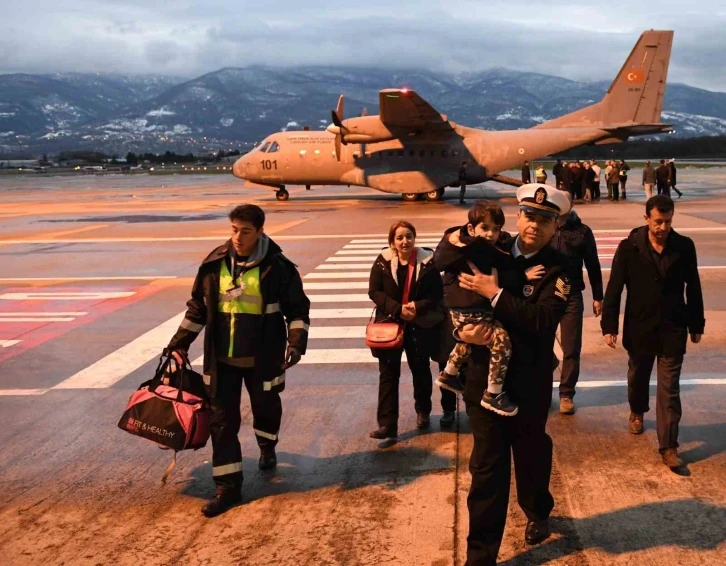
(571, 343)
(389, 364)
(622, 185)
(615, 192)
(663, 189)
(595, 190)
(226, 419)
(494, 438)
(462, 192)
(679, 193)
(667, 399)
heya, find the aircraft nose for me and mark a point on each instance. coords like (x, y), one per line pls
(239, 168)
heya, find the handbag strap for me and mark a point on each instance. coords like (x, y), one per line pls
(409, 277)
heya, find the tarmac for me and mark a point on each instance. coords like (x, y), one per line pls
(96, 273)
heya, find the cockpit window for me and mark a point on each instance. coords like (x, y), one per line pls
(263, 149)
(273, 148)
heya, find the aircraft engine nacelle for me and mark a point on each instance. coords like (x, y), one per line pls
(366, 129)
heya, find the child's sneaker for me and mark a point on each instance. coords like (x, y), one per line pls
(500, 404)
(450, 382)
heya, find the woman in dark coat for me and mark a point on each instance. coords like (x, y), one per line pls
(419, 315)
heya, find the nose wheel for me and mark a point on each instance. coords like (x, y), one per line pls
(282, 195)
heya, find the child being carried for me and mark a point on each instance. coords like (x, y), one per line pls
(479, 242)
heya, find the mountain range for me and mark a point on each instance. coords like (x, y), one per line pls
(234, 107)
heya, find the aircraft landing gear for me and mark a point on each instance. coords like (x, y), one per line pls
(282, 195)
(411, 197)
(433, 196)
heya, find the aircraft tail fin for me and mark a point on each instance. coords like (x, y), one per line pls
(636, 94)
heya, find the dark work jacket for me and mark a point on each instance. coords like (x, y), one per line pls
(566, 177)
(526, 174)
(426, 292)
(576, 242)
(452, 260)
(657, 319)
(662, 174)
(672, 175)
(280, 283)
(530, 314)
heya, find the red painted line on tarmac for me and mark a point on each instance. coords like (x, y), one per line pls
(33, 334)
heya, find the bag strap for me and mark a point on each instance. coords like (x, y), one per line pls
(409, 277)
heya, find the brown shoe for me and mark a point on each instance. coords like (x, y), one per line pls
(635, 423)
(671, 459)
(567, 406)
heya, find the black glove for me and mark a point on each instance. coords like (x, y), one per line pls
(291, 358)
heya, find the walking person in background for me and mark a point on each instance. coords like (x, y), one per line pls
(587, 180)
(623, 172)
(526, 173)
(672, 177)
(399, 269)
(574, 239)
(557, 173)
(614, 181)
(659, 268)
(662, 174)
(648, 180)
(462, 182)
(597, 175)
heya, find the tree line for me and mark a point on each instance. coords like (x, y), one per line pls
(705, 147)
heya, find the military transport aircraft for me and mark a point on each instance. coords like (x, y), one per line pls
(411, 149)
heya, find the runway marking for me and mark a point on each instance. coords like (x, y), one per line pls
(330, 285)
(69, 232)
(99, 278)
(8, 343)
(117, 365)
(340, 313)
(66, 296)
(20, 392)
(343, 275)
(339, 298)
(341, 266)
(359, 252)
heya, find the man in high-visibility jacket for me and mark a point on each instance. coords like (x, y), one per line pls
(250, 298)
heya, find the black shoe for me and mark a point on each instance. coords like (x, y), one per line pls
(450, 383)
(537, 531)
(499, 403)
(268, 460)
(382, 433)
(224, 500)
(423, 421)
(447, 419)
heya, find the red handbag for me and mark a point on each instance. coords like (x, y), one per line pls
(386, 335)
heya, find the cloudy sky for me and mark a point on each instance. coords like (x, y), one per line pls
(585, 40)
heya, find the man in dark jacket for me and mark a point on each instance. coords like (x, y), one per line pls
(557, 172)
(576, 242)
(661, 179)
(530, 314)
(250, 298)
(672, 177)
(526, 173)
(648, 180)
(655, 264)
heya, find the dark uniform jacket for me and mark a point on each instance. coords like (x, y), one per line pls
(426, 292)
(283, 301)
(662, 174)
(657, 319)
(672, 175)
(576, 242)
(452, 260)
(530, 314)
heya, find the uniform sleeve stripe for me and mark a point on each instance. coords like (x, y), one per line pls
(191, 326)
(299, 325)
(264, 434)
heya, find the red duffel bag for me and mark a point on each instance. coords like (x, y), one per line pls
(172, 409)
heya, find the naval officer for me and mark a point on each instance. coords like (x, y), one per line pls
(530, 315)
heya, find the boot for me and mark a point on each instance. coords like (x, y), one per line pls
(423, 421)
(268, 459)
(225, 499)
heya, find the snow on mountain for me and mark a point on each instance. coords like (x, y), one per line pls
(233, 106)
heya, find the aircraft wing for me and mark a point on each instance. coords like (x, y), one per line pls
(404, 108)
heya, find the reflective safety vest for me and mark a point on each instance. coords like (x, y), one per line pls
(243, 298)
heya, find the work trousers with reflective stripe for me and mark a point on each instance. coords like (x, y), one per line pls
(226, 421)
